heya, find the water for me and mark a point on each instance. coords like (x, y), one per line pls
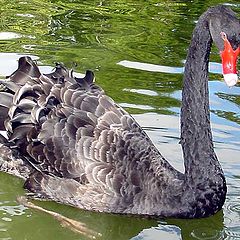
(137, 51)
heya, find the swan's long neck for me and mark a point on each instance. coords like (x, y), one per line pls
(196, 138)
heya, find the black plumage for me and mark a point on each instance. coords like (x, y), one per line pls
(73, 144)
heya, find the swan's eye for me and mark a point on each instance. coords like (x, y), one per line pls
(229, 61)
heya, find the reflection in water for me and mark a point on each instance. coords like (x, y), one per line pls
(210, 228)
(71, 224)
(9, 35)
(12, 210)
(213, 67)
(160, 232)
(142, 91)
(150, 67)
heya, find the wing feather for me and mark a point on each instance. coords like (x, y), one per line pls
(72, 132)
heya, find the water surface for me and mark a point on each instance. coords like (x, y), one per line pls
(137, 51)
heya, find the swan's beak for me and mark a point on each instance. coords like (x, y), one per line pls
(229, 62)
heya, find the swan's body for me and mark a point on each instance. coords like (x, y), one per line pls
(73, 144)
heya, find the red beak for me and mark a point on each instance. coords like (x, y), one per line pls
(229, 62)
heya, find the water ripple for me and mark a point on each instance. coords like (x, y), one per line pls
(13, 210)
(142, 91)
(160, 232)
(9, 35)
(234, 207)
(232, 233)
(26, 15)
(207, 234)
(213, 67)
(137, 106)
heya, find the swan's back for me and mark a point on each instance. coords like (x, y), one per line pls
(81, 147)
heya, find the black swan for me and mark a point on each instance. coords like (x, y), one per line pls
(73, 144)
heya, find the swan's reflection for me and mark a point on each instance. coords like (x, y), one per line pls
(135, 228)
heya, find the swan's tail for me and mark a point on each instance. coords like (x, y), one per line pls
(26, 98)
(17, 104)
(10, 161)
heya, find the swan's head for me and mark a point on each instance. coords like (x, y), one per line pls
(225, 32)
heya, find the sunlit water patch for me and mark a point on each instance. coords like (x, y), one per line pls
(9, 35)
(160, 232)
(213, 67)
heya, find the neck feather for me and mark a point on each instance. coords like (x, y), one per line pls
(196, 137)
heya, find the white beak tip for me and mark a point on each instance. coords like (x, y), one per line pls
(230, 79)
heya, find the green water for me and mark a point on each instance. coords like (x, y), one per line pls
(119, 40)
